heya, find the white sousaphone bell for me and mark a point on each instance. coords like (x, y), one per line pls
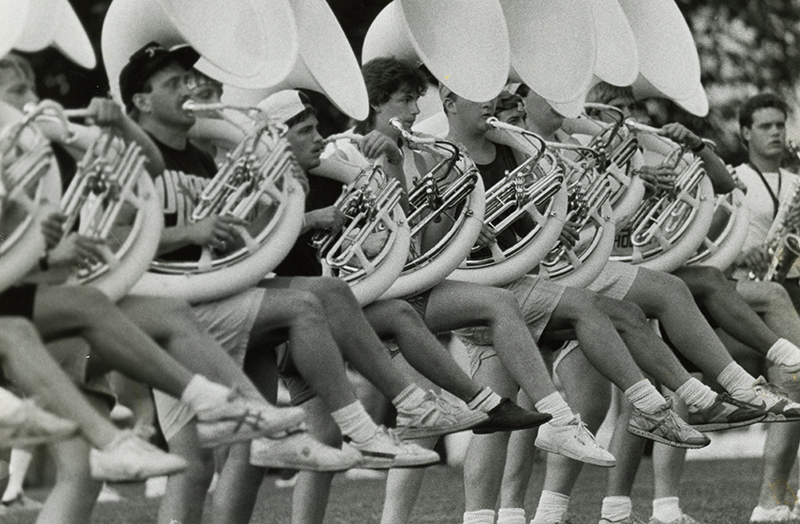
(726, 236)
(559, 73)
(324, 63)
(50, 23)
(244, 43)
(463, 43)
(669, 66)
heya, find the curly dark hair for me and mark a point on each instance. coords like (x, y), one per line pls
(385, 76)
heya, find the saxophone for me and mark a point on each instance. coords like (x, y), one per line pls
(782, 245)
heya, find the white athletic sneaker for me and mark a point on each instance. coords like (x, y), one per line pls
(574, 441)
(29, 425)
(780, 513)
(437, 416)
(300, 451)
(767, 397)
(385, 450)
(129, 458)
(241, 419)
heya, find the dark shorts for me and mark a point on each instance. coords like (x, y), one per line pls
(420, 302)
(299, 390)
(18, 301)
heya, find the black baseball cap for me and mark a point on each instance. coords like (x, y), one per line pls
(146, 62)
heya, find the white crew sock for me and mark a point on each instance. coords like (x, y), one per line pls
(616, 508)
(696, 394)
(201, 394)
(734, 378)
(511, 516)
(18, 467)
(485, 401)
(354, 422)
(552, 507)
(408, 399)
(667, 509)
(555, 404)
(481, 516)
(785, 353)
(644, 396)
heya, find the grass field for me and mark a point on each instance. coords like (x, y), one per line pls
(715, 492)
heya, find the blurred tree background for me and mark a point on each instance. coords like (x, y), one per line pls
(745, 46)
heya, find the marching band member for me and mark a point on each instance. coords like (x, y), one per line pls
(673, 307)
(762, 123)
(319, 313)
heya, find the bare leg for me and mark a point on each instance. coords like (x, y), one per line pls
(73, 497)
(186, 491)
(773, 303)
(519, 463)
(486, 455)
(173, 325)
(310, 498)
(453, 305)
(728, 309)
(396, 319)
(30, 367)
(589, 394)
(116, 341)
(667, 298)
(357, 341)
(628, 449)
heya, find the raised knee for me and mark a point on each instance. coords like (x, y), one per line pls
(304, 304)
(626, 316)
(777, 294)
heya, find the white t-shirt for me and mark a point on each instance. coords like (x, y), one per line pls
(760, 204)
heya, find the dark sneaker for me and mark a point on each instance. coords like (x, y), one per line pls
(667, 427)
(770, 398)
(508, 416)
(724, 413)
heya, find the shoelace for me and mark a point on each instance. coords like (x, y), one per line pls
(766, 389)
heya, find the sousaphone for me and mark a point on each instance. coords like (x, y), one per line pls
(324, 63)
(463, 43)
(30, 187)
(245, 43)
(669, 225)
(559, 73)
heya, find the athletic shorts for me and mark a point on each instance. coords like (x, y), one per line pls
(614, 282)
(230, 321)
(537, 298)
(17, 301)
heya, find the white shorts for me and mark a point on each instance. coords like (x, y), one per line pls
(537, 298)
(230, 321)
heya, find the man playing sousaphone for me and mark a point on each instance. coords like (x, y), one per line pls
(320, 313)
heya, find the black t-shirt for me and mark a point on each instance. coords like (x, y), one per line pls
(302, 259)
(491, 173)
(187, 172)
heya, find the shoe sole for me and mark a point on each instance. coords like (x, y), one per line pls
(586, 460)
(411, 433)
(707, 428)
(138, 476)
(277, 463)
(510, 427)
(379, 463)
(656, 438)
